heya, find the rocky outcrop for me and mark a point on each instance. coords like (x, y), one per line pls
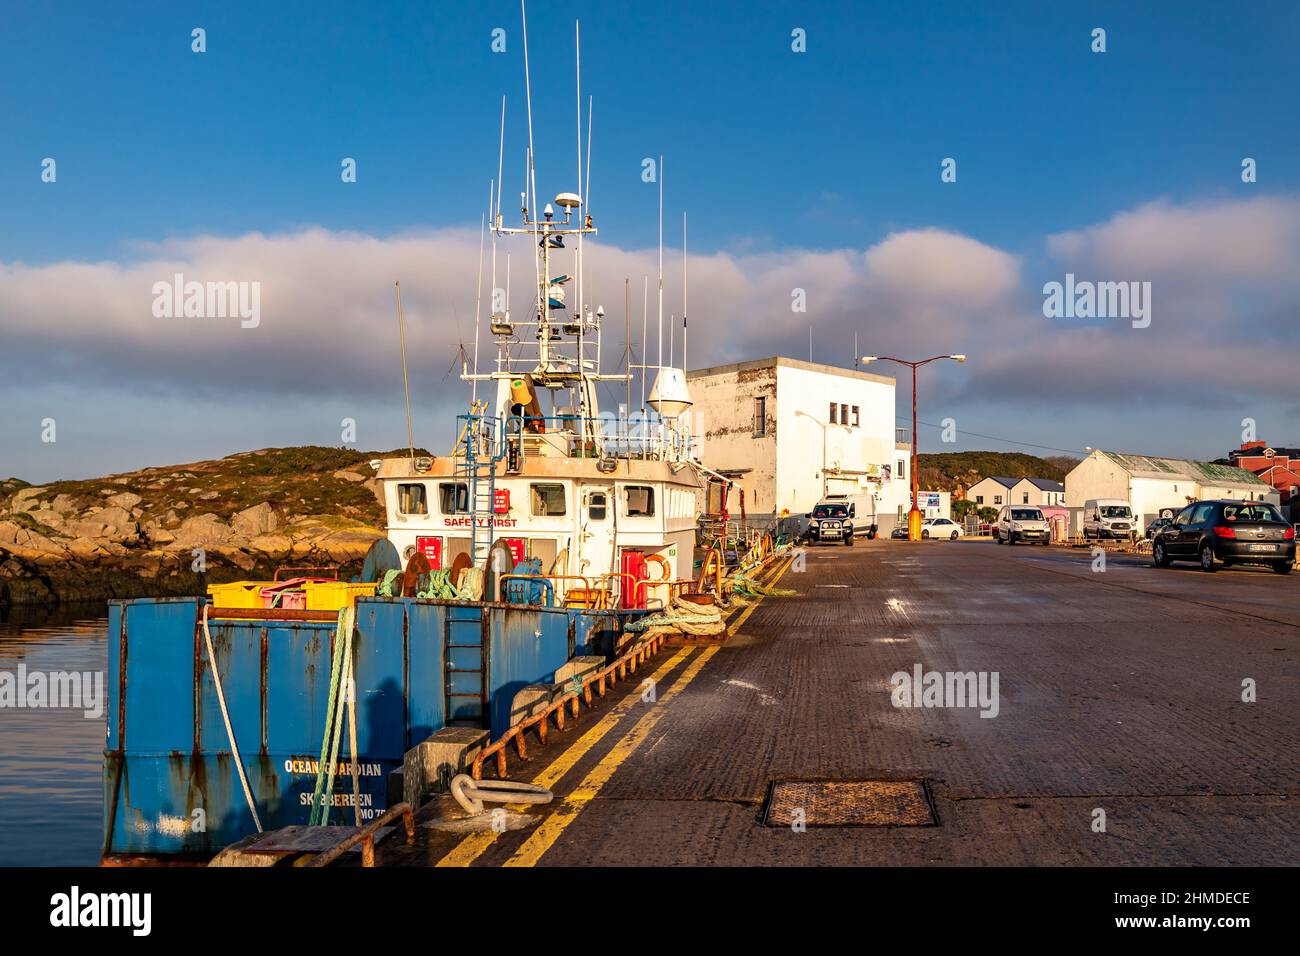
(143, 532)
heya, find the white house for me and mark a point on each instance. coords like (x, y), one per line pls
(998, 490)
(788, 432)
(1150, 484)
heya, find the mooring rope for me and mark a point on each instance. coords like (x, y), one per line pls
(341, 665)
(225, 716)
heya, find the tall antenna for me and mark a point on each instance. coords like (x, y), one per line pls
(627, 318)
(661, 261)
(645, 319)
(501, 158)
(531, 180)
(478, 295)
(683, 290)
(586, 186)
(577, 73)
(406, 383)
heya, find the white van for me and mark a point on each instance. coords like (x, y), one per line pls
(841, 517)
(1109, 518)
(1022, 523)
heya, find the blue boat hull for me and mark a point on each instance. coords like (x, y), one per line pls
(170, 782)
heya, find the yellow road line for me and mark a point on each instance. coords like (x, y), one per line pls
(744, 615)
(472, 846)
(771, 579)
(549, 830)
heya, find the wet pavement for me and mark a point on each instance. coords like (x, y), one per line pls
(1118, 697)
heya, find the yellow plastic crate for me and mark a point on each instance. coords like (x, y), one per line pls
(237, 593)
(336, 595)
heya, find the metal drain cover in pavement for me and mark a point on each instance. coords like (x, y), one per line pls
(849, 803)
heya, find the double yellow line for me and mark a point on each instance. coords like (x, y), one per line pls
(554, 824)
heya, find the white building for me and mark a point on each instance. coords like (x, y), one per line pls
(998, 490)
(1150, 484)
(788, 432)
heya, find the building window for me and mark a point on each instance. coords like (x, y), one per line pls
(902, 469)
(1026, 501)
(596, 506)
(760, 416)
(548, 500)
(997, 499)
(979, 499)
(857, 419)
(844, 414)
(453, 498)
(833, 420)
(640, 501)
(412, 499)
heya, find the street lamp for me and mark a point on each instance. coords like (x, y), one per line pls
(825, 426)
(913, 516)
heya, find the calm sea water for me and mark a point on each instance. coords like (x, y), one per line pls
(50, 793)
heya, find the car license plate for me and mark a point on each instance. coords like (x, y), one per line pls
(1262, 547)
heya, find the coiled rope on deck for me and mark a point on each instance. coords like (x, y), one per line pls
(438, 585)
(701, 620)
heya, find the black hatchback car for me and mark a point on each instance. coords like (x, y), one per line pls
(1231, 532)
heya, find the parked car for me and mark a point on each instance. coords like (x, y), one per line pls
(1231, 532)
(839, 518)
(941, 528)
(1156, 525)
(900, 531)
(1021, 523)
(1109, 518)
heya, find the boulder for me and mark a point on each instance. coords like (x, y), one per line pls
(25, 500)
(48, 517)
(202, 531)
(275, 546)
(86, 547)
(120, 520)
(349, 475)
(125, 499)
(259, 519)
(90, 527)
(158, 534)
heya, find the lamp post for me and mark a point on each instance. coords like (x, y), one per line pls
(825, 426)
(913, 516)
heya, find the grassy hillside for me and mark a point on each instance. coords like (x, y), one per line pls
(948, 470)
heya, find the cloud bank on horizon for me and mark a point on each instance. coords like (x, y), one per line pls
(1225, 305)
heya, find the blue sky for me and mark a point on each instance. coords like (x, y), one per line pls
(771, 152)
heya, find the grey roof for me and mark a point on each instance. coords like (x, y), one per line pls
(1046, 484)
(1141, 466)
(1043, 484)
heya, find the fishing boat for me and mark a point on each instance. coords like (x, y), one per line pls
(551, 528)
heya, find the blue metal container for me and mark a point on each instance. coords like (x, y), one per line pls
(170, 784)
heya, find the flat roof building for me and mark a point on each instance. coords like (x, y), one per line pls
(788, 432)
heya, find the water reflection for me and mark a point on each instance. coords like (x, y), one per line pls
(50, 796)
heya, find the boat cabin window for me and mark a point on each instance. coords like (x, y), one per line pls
(640, 501)
(412, 499)
(453, 497)
(596, 506)
(548, 500)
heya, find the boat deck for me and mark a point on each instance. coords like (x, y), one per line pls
(1118, 691)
